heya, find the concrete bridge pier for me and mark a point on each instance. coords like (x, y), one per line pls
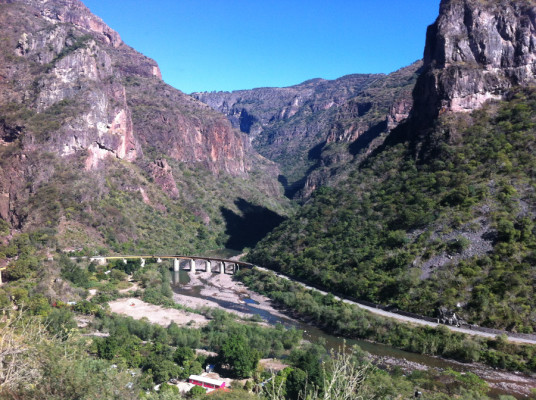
(176, 277)
(208, 266)
(142, 262)
(222, 267)
(124, 260)
(98, 260)
(236, 268)
(176, 264)
(192, 265)
(159, 260)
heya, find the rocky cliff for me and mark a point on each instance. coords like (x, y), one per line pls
(475, 51)
(74, 96)
(65, 54)
(297, 126)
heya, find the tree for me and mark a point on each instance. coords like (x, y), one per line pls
(60, 322)
(295, 384)
(196, 392)
(238, 355)
(183, 355)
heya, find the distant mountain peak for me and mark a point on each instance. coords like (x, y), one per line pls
(72, 12)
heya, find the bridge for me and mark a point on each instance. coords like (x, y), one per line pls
(191, 263)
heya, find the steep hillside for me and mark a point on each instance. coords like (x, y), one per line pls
(317, 125)
(97, 151)
(441, 216)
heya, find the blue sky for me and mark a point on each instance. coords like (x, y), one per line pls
(205, 45)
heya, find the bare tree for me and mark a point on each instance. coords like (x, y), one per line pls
(20, 337)
(342, 380)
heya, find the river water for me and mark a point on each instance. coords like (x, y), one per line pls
(315, 335)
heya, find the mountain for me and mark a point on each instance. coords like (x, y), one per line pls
(312, 129)
(441, 214)
(97, 151)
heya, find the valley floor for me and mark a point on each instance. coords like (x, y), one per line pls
(217, 291)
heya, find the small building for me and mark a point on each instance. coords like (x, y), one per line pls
(206, 382)
(210, 368)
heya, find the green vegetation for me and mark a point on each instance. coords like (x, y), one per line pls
(164, 353)
(415, 233)
(340, 318)
(109, 212)
(136, 355)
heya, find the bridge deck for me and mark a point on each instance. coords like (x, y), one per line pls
(173, 257)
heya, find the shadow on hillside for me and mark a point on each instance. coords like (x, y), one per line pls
(251, 225)
(291, 189)
(316, 152)
(363, 141)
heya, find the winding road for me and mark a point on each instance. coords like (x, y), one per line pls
(403, 318)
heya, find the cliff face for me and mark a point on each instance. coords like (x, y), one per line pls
(254, 111)
(74, 98)
(295, 126)
(172, 123)
(72, 12)
(475, 51)
(51, 68)
(65, 55)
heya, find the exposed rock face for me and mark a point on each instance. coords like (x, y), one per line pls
(74, 59)
(475, 51)
(71, 91)
(70, 68)
(294, 125)
(257, 110)
(163, 176)
(72, 12)
(186, 130)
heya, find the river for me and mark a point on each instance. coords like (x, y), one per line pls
(243, 302)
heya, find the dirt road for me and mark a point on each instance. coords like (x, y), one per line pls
(411, 320)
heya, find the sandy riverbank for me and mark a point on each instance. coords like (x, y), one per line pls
(221, 287)
(138, 309)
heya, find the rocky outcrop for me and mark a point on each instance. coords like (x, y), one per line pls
(71, 12)
(78, 70)
(163, 176)
(256, 111)
(75, 63)
(185, 129)
(476, 51)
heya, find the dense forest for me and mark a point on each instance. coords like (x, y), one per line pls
(440, 220)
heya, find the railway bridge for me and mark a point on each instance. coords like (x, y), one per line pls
(191, 263)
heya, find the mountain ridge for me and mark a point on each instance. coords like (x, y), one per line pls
(293, 126)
